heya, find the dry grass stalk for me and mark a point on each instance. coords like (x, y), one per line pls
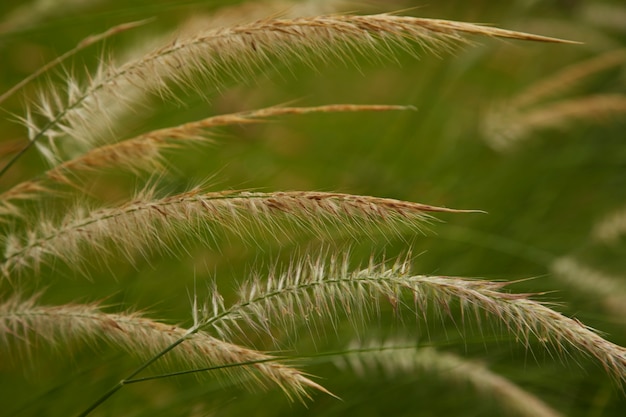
(610, 290)
(144, 152)
(450, 368)
(240, 50)
(25, 323)
(244, 12)
(149, 223)
(595, 40)
(328, 288)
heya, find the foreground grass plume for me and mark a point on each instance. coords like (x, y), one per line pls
(143, 153)
(25, 323)
(238, 51)
(148, 223)
(330, 287)
(28, 322)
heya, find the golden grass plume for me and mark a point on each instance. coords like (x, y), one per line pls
(238, 51)
(24, 323)
(329, 287)
(148, 223)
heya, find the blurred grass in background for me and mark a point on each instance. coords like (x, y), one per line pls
(543, 198)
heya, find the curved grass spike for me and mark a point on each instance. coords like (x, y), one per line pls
(567, 79)
(241, 49)
(143, 152)
(88, 41)
(153, 223)
(330, 286)
(24, 320)
(505, 127)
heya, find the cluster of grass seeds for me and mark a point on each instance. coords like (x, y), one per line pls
(78, 128)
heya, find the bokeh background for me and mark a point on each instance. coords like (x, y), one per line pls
(543, 196)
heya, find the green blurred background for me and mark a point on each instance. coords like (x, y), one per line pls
(542, 200)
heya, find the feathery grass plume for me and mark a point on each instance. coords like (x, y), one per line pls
(83, 44)
(147, 223)
(143, 153)
(590, 108)
(24, 324)
(395, 358)
(138, 96)
(239, 51)
(610, 290)
(507, 123)
(611, 228)
(314, 287)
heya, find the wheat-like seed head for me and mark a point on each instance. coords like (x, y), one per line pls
(311, 288)
(239, 51)
(144, 153)
(241, 13)
(25, 323)
(148, 223)
(314, 287)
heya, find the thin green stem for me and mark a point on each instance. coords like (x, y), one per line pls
(272, 359)
(17, 156)
(193, 330)
(136, 372)
(211, 368)
(283, 358)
